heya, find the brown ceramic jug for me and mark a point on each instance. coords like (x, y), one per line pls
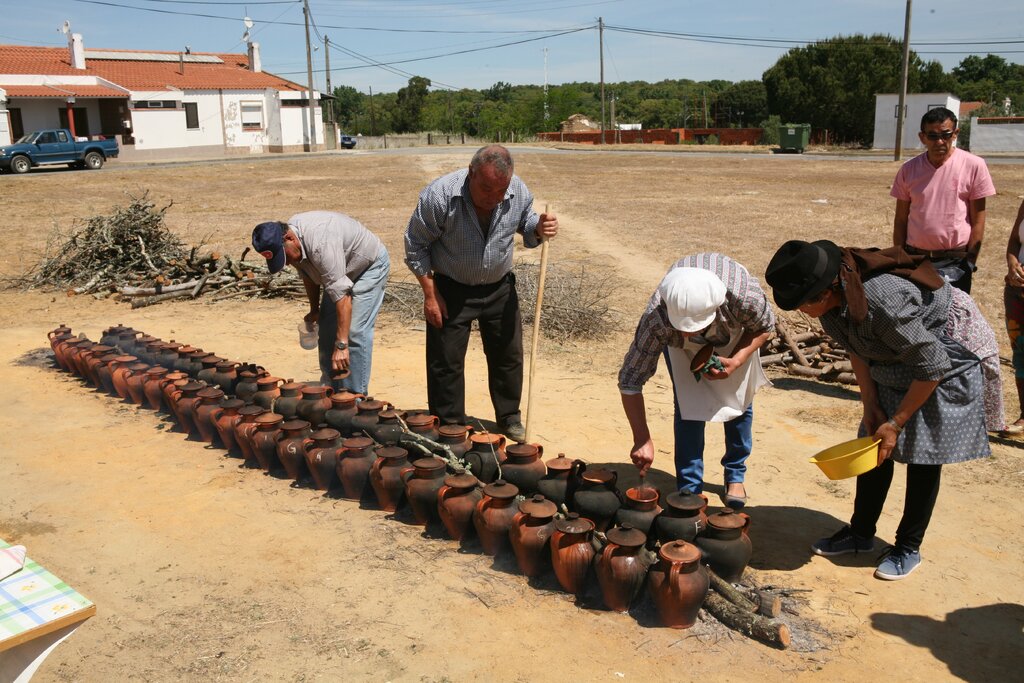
(386, 476)
(244, 431)
(77, 354)
(267, 390)
(683, 517)
(226, 376)
(195, 362)
(622, 567)
(181, 358)
(596, 498)
(314, 402)
(322, 457)
(485, 455)
(572, 552)
(523, 466)
(456, 438)
(168, 388)
(456, 502)
(427, 478)
(725, 544)
(291, 448)
(367, 414)
(152, 387)
(342, 410)
(103, 372)
(55, 335)
(109, 335)
(119, 375)
(182, 401)
(553, 484)
(530, 534)
(248, 375)
(93, 362)
(226, 421)
(264, 440)
(208, 369)
(640, 509)
(678, 584)
(388, 430)
(423, 424)
(355, 459)
(168, 354)
(135, 379)
(493, 516)
(287, 403)
(205, 410)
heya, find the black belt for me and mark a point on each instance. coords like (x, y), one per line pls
(937, 254)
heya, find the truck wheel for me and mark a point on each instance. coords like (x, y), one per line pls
(93, 160)
(20, 164)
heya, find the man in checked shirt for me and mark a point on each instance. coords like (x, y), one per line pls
(459, 245)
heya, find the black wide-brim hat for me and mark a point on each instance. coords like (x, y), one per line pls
(800, 271)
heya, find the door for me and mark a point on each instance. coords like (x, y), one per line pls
(81, 121)
(54, 146)
(17, 127)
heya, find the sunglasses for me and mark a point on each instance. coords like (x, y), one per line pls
(944, 135)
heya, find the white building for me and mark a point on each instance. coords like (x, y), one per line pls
(997, 134)
(915, 106)
(152, 101)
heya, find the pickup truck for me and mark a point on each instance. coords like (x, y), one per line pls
(55, 146)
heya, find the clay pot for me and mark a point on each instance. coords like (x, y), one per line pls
(596, 498)
(264, 440)
(367, 414)
(61, 346)
(322, 457)
(80, 358)
(622, 567)
(56, 335)
(119, 375)
(640, 509)
(456, 502)
(486, 452)
(134, 380)
(678, 584)
(427, 478)
(523, 466)
(109, 336)
(244, 431)
(104, 372)
(386, 476)
(342, 410)
(248, 374)
(455, 437)
(168, 354)
(726, 545)
(388, 430)
(288, 401)
(195, 362)
(423, 424)
(572, 552)
(226, 375)
(205, 411)
(355, 459)
(493, 516)
(181, 358)
(91, 362)
(167, 389)
(682, 519)
(291, 448)
(152, 388)
(182, 401)
(126, 340)
(314, 402)
(147, 349)
(208, 369)
(267, 390)
(73, 349)
(553, 484)
(530, 534)
(226, 421)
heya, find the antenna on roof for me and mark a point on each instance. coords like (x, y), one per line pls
(65, 27)
(188, 49)
(248, 25)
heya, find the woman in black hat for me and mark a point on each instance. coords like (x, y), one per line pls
(916, 345)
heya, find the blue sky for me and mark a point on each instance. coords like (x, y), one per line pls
(431, 28)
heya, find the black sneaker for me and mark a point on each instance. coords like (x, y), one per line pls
(843, 542)
(516, 432)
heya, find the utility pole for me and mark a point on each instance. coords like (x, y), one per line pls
(546, 114)
(330, 92)
(309, 73)
(704, 93)
(373, 121)
(600, 42)
(898, 154)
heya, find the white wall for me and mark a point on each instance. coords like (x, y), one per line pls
(997, 137)
(39, 113)
(916, 105)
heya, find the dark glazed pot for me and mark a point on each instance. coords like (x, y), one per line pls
(678, 584)
(168, 354)
(493, 516)
(485, 455)
(530, 534)
(248, 375)
(553, 484)
(572, 552)
(367, 414)
(291, 448)
(386, 476)
(640, 509)
(264, 440)
(322, 458)
(226, 376)
(523, 466)
(195, 362)
(314, 402)
(267, 390)
(456, 502)
(682, 519)
(182, 353)
(342, 410)
(355, 459)
(726, 545)
(597, 499)
(226, 421)
(621, 567)
(421, 488)
(288, 402)
(424, 425)
(244, 431)
(109, 335)
(388, 430)
(208, 369)
(455, 437)
(205, 410)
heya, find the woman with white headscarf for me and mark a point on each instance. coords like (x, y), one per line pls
(705, 300)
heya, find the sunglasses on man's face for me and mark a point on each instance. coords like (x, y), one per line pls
(944, 135)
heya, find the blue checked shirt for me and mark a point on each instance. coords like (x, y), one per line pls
(444, 234)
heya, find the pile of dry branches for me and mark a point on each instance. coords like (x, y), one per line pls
(802, 348)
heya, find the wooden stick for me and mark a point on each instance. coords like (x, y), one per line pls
(730, 593)
(536, 328)
(784, 333)
(757, 627)
(785, 356)
(803, 371)
(768, 604)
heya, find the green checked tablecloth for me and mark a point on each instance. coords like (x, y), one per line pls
(34, 602)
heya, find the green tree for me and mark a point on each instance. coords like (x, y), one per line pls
(409, 105)
(746, 102)
(989, 79)
(348, 106)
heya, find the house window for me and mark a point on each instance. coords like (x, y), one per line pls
(295, 103)
(156, 104)
(252, 116)
(191, 115)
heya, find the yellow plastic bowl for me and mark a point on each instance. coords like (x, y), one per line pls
(848, 459)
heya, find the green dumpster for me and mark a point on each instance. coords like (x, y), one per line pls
(794, 137)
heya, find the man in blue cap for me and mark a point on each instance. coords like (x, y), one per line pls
(344, 268)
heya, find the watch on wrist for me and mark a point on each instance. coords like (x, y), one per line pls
(892, 423)
(341, 346)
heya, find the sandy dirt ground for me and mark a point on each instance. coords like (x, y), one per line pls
(202, 570)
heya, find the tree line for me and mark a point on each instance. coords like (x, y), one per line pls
(830, 84)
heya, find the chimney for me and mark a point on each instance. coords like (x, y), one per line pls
(254, 58)
(76, 48)
(181, 63)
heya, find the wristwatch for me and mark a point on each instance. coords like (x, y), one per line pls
(341, 346)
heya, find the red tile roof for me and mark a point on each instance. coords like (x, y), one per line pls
(133, 74)
(62, 91)
(967, 107)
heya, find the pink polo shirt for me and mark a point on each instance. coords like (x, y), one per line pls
(939, 197)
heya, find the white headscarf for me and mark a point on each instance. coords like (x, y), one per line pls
(692, 297)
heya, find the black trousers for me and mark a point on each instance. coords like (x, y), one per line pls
(922, 491)
(495, 307)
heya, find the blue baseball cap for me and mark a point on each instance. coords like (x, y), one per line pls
(267, 239)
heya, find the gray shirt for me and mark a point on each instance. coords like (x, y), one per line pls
(445, 236)
(336, 249)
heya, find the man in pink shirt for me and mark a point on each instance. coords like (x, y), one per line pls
(940, 201)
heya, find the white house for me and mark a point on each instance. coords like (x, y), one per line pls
(915, 106)
(156, 100)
